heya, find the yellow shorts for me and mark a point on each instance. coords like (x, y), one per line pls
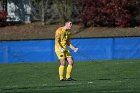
(63, 55)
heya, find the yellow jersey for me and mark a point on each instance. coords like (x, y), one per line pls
(62, 38)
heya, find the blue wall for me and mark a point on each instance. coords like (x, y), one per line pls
(89, 49)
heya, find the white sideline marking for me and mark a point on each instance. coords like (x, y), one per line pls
(90, 82)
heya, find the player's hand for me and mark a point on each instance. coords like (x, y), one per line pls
(75, 50)
(62, 49)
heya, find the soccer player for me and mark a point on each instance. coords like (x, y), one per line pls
(62, 39)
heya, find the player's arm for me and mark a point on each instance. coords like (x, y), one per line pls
(57, 40)
(70, 45)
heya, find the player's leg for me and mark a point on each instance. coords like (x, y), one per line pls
(61, 57)
(69, 67)
(61, 69)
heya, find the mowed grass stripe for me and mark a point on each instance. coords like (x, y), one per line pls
(118, 76)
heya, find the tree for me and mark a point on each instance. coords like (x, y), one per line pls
(64, 8)
(39, 8)
(109, 12)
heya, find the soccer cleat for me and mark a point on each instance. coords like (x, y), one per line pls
(70, 79)
(62, 80)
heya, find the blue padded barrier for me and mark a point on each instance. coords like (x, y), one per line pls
(89, 49)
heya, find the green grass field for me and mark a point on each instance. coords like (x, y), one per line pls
(121, 76)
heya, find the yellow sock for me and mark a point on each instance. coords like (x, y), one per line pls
(69, 69)
(61, 71)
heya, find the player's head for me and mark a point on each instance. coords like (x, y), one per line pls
(68, 24)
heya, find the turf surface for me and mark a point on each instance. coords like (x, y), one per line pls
(119, 76)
